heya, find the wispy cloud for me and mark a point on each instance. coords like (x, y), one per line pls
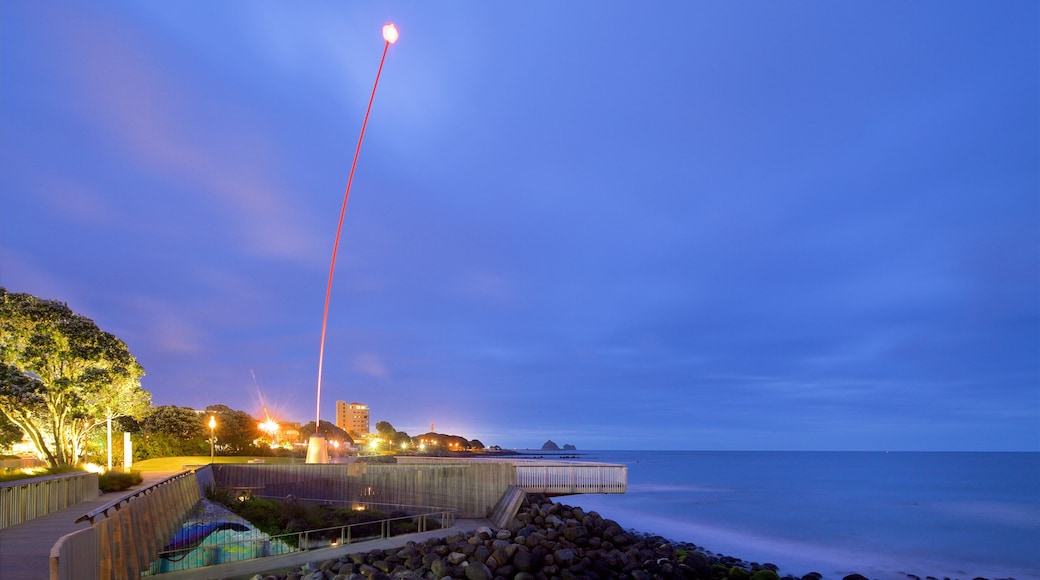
(178, 125)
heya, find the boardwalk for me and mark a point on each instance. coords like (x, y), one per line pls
(25, 548)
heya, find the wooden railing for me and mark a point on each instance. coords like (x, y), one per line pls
(24, 499)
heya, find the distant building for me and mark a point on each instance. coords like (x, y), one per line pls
(352, 417)
(291, 432)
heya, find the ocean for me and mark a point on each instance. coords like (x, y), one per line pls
(883, 515)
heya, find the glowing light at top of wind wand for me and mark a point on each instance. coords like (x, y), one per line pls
(390, 33)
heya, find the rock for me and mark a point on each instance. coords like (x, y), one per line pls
(481, 553)
(497, 559)
(478, 571)
(564, 557)
(550, 446)
(855, 577)
(440, 568)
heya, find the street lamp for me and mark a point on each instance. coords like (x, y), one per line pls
(212, 437)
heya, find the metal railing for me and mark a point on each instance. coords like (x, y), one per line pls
(571, 478)
(227, 546)
(548, 476)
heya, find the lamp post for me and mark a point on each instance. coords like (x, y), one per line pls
(317, 450)
(212, 437)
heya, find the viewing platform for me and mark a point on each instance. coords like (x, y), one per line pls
(551, 477)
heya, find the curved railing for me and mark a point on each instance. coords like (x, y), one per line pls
(126, 533)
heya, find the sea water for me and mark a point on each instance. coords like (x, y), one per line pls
(883, 515)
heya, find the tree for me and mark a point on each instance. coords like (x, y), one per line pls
(57, 371)
(401, 439)
(236, 430)
(330, 431)
(117, 397)
(9, 433)
(180, 422)
(169, 431)
(386, 430)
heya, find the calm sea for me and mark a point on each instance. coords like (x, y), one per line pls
(959, 515)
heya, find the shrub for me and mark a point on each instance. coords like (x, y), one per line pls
(39, 472)
(118, 480)
(222, 495)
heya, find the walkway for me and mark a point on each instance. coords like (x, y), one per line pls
(248, 568)
(25, 548)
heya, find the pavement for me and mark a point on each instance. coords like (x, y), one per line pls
(25, 548)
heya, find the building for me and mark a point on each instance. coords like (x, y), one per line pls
(352, 417)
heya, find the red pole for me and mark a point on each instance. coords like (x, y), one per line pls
(339, 229)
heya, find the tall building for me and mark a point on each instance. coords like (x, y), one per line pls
(352, 417)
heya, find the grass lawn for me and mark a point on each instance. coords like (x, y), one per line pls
(178, 463)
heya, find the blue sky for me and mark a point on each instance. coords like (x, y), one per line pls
(670, 225)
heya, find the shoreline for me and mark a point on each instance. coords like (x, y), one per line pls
(549, 539)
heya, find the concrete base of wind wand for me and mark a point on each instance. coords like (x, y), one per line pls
(317, 450)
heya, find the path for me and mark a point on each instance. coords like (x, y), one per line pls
(25, 548)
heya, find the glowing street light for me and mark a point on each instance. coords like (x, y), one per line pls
(212, 437)
(269, 427)
(317, 451)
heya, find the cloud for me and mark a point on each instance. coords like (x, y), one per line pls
(178, 125)
(166, 328)
(370, 365)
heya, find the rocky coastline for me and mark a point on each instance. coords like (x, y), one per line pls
(545, 540)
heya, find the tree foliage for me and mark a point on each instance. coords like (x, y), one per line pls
(385, 430)
(61, 376)
(329, 431)
(9, 432)
(179, 422)
(236, 430)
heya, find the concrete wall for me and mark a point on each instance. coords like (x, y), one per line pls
(472, 489)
